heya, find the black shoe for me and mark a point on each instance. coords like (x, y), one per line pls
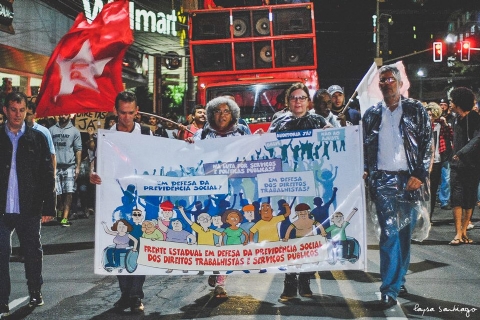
(304, 285)
(4, 310)
(289, 287)
(36, 299)
(387, 302)
(212, 281)
(403, 291)
(136, 305)
(122, 303)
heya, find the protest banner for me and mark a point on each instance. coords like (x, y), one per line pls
(285, 202)
(93, 120)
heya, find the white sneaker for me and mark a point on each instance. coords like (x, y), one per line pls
(470, 226)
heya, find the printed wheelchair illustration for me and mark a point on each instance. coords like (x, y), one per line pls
(348, 250)
(127, 259)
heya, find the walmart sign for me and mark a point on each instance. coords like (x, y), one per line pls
(140, 19)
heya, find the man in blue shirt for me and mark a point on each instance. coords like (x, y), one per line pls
(26, 181)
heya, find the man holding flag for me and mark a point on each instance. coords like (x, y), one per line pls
(397, 138)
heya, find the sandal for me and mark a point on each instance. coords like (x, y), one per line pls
(467, 240)
(456, 242)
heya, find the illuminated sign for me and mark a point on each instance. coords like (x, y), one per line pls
(140, 19)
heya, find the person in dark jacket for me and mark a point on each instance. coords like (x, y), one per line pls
(464, 167)
(298, 118)
(397, 136)
(26, 183)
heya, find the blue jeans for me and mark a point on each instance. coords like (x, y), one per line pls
(397, 219)
(131, 286)
(28, 231)
(444, 191)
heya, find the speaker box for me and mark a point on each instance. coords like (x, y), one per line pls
(208, 26)
(292, 21)
(261, 23)
(243, 55)
(242, 26)
(294, 52)
(212, 57)
(263, 54)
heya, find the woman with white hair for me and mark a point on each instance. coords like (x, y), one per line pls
(222, 120)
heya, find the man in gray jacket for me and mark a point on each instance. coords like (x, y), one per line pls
(68, 147)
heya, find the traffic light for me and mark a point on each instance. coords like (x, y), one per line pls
(437, 52)
(465, 51)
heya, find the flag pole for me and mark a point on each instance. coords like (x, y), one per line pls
(164, 119)
(347, 106)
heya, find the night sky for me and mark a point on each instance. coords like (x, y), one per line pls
(345, 47)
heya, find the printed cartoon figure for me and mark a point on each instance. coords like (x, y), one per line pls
(307, 148)
(176, 232)
(202, 228)
(284, 151)
(304, 225)
(338, 245)
(137, 218)
(191, 171)
(320, 212)
(217, 225)
(267, 226)
(129, 202)
(166, 213)
(326, 178)
(150, 231)
(151, 205)
(233, 233)
(249, 215)
(120, 230)
(325, 149)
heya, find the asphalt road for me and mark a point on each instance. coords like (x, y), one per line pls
(443, 283)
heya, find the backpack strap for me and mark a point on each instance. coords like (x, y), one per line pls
(145, 129)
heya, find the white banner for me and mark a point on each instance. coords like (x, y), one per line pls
(272, 203)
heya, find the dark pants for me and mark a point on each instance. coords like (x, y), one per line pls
(28, 232)
(131, 286)
(435, 176)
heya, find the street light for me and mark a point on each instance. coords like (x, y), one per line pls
(421, 73)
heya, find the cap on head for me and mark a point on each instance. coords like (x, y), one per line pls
(335, 88)
(166, 205)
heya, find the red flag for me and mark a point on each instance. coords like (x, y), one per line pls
(84, 73)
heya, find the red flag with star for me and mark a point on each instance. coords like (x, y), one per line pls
(84, 73)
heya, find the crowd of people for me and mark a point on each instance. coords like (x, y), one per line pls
(436, 142)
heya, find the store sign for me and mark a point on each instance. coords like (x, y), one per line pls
(140, 19)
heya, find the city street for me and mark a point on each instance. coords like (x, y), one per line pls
(443, 283)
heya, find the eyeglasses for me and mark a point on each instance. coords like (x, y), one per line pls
(301, 98)
(136, 214)
(224, 111)
(388, 80)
